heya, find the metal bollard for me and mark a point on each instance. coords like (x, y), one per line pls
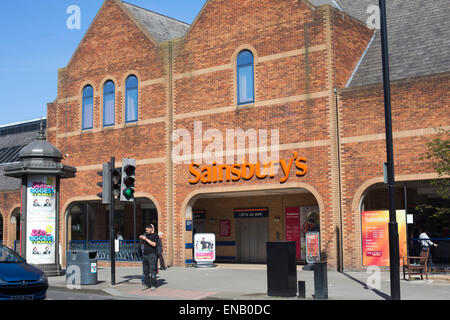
(301, 289)
(320, 280)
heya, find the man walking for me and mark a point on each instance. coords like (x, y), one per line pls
(149, 240)
(160, 251)
(426, 244)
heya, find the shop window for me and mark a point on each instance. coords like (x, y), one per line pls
(131, 99)
(109, 95)
(245, 78)
(150, 216)
(88, 108)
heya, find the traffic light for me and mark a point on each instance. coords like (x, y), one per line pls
(128, 179)
(105, 184)
(116, 182)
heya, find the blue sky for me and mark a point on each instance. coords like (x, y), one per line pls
(35, 43)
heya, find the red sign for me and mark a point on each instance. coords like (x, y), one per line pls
(293, 227)
(225, 228)
(375, 237)
(312, 247)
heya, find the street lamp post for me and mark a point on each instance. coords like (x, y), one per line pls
(394, 259)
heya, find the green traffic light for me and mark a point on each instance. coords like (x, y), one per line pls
(128, 193)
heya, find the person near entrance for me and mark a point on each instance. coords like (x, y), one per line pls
(149, 240)
(426, 243)
(160, 252)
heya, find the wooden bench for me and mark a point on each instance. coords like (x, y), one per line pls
(420, 268)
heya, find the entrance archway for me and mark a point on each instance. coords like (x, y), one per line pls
(244, 220)
(87, 226)
(419, 199)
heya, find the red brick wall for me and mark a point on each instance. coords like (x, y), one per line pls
(113, 48)
(417, 104)
(9, 201)
(301, 55)
(351, 38)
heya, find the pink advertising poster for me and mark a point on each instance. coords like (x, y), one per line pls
(293, 227)
(225, 228)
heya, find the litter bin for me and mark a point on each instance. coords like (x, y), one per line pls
(320, 280)
(281, 269)
(81, 266)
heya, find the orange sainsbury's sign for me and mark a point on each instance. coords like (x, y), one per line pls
(246, 171)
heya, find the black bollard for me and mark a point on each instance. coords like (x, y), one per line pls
(320, 280)
(281, 269)
(301, 289)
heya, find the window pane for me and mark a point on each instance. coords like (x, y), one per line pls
(131, 105)
(245, 84)
(88, 109)
(108, 103)
(109, 87)
(131, 99)
(108, 109)
(245, 58)
(132, 82)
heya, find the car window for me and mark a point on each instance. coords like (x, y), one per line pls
(9, 256)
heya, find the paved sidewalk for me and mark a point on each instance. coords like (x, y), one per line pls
(249, 282)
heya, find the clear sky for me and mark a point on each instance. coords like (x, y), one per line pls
(35, 42)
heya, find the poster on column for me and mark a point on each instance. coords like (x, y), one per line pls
(41, 219)
(293, 228)
(375, 237)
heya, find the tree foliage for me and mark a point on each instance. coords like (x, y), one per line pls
(438, 151)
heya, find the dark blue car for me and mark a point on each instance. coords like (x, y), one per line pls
(18, 279)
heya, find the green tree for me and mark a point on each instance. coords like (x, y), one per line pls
(438, 151)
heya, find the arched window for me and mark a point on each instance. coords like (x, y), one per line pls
(109, 105)
(88, 108)
(131, 99)
(245, 78)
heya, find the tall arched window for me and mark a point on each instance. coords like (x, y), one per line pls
(245, 78)
(109, 105)
(88, 108)
(131, 99)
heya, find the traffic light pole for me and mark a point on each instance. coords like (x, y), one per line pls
(112, 253)
(394, 259)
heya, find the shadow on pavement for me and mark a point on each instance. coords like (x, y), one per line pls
(381, 294)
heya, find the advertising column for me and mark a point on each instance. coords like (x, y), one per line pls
(41, 219)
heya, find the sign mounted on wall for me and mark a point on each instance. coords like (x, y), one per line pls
(246, 171)
(225, 228)
(293, 228)
(251, 213)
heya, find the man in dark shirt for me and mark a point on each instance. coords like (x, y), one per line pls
(149, 240)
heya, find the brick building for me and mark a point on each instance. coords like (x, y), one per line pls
(306, 75)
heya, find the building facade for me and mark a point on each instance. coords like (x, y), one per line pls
(257, 110)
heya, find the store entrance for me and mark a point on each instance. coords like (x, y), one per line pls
(242, 222)
(251, 237)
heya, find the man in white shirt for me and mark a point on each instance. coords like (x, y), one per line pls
(426, 243)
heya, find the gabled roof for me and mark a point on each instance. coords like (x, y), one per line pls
(418, 35)
(162, 28)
